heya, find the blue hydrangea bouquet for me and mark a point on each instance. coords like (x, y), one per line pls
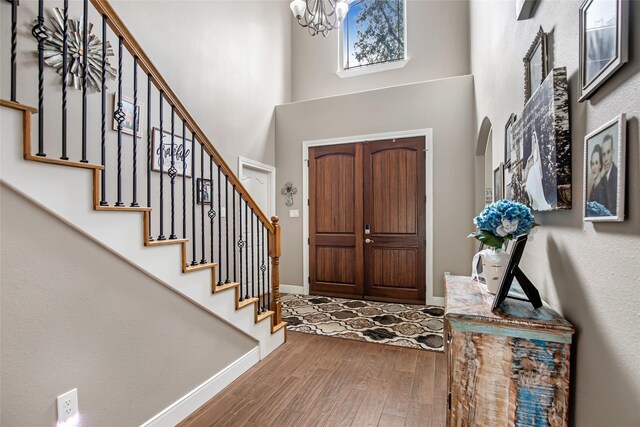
(501, 221)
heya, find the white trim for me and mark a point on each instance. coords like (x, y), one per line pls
(370, 69)
(428, 134)
(197, 397)
(292, 289)
(271, 170)
(374, 68)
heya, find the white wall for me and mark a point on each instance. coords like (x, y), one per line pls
(85, 318)
(445, 105)
(437, 47)
(589, 271)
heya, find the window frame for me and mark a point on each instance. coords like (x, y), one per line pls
(373, 68)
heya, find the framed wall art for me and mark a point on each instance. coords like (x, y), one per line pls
(205, 193)
(604, 171)
(162, 152)
(535, 64)
(127, 109)
(604, 40)
(498, 183)
(508, 140)
(541, 171)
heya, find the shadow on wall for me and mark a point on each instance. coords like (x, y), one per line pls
(601, 366)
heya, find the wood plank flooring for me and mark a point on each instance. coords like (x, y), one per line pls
(314, 380)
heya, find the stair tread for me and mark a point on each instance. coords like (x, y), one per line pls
(260, 317)
(17, 105)
(122, 208)
(61, 162)
(165, 242)
(189, 268)
(246, 302)
(277, 327)
(215, 288)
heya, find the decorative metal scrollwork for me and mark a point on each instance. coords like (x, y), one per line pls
(288, 191)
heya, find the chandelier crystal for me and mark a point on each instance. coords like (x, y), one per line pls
(319, 16)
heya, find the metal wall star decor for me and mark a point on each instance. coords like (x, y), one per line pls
(54, 45)
(288, 191)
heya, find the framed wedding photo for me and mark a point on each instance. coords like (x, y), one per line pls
(498, 183)
(535, 64)
(508, 140)
(604, 171)
(604, 40)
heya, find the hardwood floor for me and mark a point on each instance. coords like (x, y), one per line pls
(313, 380)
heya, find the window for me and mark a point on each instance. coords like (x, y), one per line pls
(373, 32)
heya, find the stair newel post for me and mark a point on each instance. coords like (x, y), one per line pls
(85, 75)
(39, 31)
(65, 72)
(274, 252)
(134, 191)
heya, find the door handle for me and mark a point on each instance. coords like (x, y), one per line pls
(368, 241)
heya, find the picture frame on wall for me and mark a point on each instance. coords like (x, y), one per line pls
(162, 151)
(604, 171)
(498, 183)
(205, 193)
(604, 42)
(535, 64)
(508, 140)
(127, 109)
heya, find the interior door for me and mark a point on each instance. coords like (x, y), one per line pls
(335, 221)
(394, 218)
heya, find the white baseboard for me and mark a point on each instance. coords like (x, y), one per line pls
(292, 289)
(435, 301)
(197, 397)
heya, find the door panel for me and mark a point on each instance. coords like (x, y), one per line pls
(394, 208)
(336, 265)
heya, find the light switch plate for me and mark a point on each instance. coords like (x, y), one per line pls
(294, 213)
(67, 406)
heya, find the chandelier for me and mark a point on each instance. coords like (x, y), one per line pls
(319, 16)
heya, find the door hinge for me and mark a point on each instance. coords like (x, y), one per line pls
(308, 240)
(308, 279)
(308, 202)
(449, 400)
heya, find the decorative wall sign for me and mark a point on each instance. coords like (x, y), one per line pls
(604, 39)
(508, 141)
(535, 64)
(53, 45)
(541, 172)
(127, 109)
(162, 152)
(288, 191)
(205, 194)
(604, 171)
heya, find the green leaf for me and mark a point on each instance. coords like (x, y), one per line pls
(489, 239)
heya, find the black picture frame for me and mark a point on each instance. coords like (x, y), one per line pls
(533, 76)
(513, 271)
(208, 193)
(498, 183)
(508, 140)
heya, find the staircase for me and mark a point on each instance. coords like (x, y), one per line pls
(158, 194)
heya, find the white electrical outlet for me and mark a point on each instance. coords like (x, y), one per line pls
(294, 213)
(67, 406)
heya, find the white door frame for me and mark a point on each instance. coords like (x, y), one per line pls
(428, 134)
(271, 171)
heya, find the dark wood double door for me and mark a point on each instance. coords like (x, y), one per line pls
(367, 220)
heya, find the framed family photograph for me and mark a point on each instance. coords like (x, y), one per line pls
(181, 155)
(535, 64)
(127, 109)
(508, 140)
(498, 183)
(604, 160)
(604, 40)
(204, 191)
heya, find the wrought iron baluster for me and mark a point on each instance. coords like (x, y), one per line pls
(220, 282)
(14, 46)
(246, 250)
(85, 74)
(160, 152)
(233, 197)
(268, 271)
(65, 41)
(184, 179)
(193, 201)
(202, 202)
(134, 203)
(240, 245)
(172, 175)
(103, 128)
(149, 156)
(212, 212)
(226, 221)
(254, 292)
(39, 31)
(262, 269)
(118, 115)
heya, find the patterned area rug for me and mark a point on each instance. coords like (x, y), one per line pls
(403, 325)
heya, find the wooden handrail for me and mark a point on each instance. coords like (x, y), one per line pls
(118, 27)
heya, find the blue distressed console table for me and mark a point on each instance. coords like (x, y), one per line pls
(509, 368)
